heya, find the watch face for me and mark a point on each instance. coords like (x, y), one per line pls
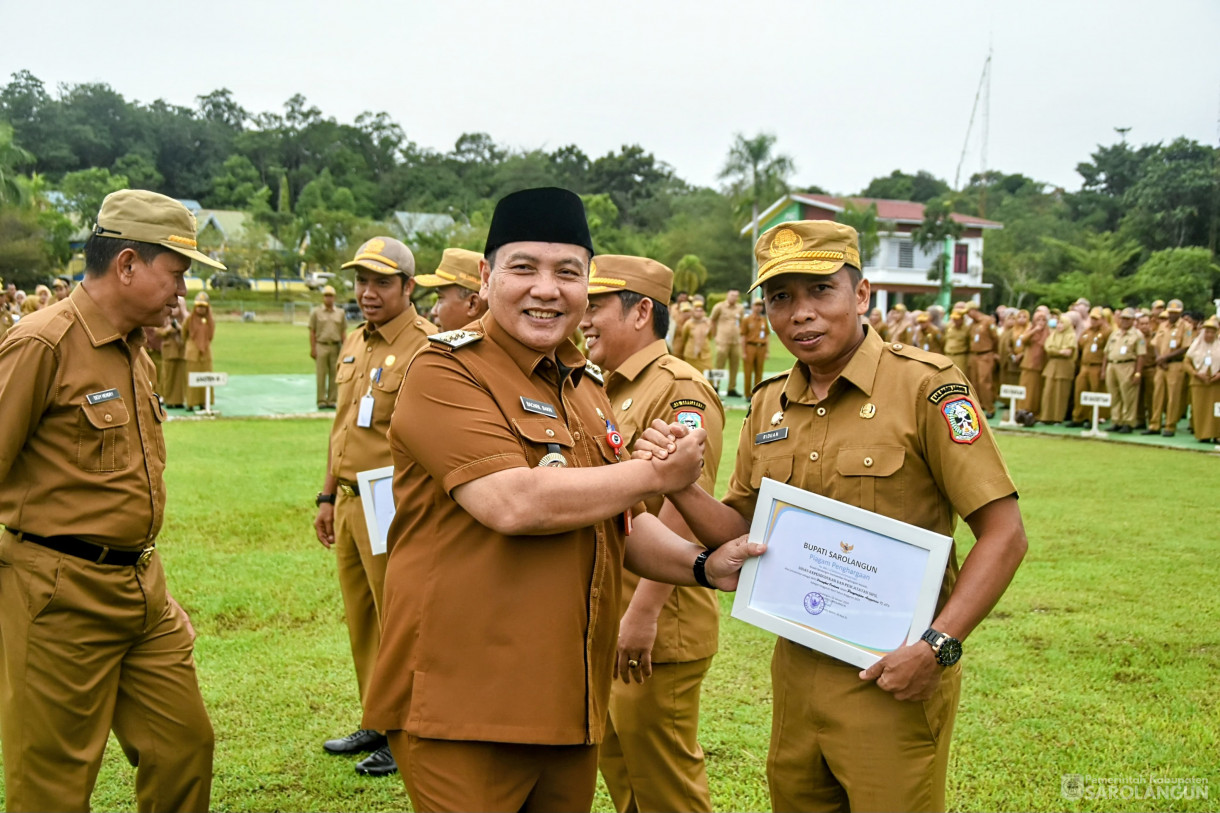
(950, 652)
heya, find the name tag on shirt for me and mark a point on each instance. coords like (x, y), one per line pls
(349, 359)
(1122, 351)
(1173, 344)
(538, 407)
(1093, 348)
(364, 418)
(770, 437)
(102, 397)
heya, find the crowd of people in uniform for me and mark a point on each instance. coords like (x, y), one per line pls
(1159, 364)
(546, 606)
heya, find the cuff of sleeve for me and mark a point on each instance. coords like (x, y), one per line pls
(481, 468)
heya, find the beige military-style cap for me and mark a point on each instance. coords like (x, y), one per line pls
(806, 247)
(384, 255)
(1211, 321)
(1126, 313)
(1174, 306)
(459, 266)
(328, 289)
(617, 272)
(1160, 303)
(1095, 313)
(201, 298)
(148, 217)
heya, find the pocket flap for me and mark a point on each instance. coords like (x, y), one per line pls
(870, 461)
(543, 430)
(777, 468)
(107, 414)
(390, 382)
(346, 373)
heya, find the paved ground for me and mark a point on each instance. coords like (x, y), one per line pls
(292, 396)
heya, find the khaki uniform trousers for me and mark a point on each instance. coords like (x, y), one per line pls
(1168, 397)
(326, 366)
(1124, 391)
(982, 378)
(961, 360)
(756, 357)
(839, 743)
(1032, 381)
(468, 775)
(732, 352)
(1089, 380)
(651, 758)
(362, 583)
(173, 381)
(87, 649)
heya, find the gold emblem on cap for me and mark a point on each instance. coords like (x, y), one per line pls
(776, 418)
(374, 246)
(626, 404)
(868, 411)
(553, 460)
(390, 359)
(785, 242)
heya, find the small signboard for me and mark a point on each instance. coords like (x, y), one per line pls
(207, 379)
(1098, 399)
(1012, 391)
(1216, 409)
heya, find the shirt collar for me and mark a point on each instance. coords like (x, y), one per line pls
(527, 359)
(860, 372)
(390, 331)
(640, 359)
(97, 324)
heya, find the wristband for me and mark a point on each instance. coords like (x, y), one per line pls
(700, 569)
(324, 498)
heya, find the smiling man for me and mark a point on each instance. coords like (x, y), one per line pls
(888, 428)
(90, 639)
(371, 366)
(457, 284)
(511, 531)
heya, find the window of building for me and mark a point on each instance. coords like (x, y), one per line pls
(906, 254)
(961, 257)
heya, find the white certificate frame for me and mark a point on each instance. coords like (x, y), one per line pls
(774, 495)
(376, 488)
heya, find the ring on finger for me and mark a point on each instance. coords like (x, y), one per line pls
(633, 664)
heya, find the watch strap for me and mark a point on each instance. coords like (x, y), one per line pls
(700, 569)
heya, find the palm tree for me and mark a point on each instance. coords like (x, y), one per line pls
(11, 157)
(755, 170)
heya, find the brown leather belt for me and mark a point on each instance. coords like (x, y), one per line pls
(98, 554)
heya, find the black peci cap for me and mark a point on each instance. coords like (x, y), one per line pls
(544, 215)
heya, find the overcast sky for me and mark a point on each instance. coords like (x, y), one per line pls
(852, 89)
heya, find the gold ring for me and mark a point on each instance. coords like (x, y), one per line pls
(633, 664)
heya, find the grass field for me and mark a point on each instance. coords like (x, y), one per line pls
(1101, 659)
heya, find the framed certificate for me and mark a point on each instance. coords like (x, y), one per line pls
(836, 578)
(377, 492)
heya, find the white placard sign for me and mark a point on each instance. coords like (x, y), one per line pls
(1012, 391)
(377, 496)
(836, 578)
(207, 379)
(718, 375)
(1216, 409)
(1099, 399)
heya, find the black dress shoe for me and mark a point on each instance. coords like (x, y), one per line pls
(379, 763)
(355, 743)
(1073, 424)
(732, 394)
(1151, 432)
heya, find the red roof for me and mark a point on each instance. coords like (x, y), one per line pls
(899, 211)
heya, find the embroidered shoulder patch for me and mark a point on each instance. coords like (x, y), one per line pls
(946, 390)
(690, 418)
(453, 339)
(963, 420)
(687, 402)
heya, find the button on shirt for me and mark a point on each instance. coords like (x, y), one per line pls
(487, 636)
(81, 449)
(924, 457)
(366, 368)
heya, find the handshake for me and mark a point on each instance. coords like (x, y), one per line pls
(676, 452)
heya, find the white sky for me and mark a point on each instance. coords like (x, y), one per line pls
(853, 89)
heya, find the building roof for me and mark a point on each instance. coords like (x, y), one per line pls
(896, 211)
(414, 223)
(231, 224)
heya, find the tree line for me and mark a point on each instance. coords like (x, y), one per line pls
(1143, 222)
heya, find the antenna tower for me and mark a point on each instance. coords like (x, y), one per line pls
(983, 95)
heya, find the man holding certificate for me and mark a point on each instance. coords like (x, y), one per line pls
(894, 430)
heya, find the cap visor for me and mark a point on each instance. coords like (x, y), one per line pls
(370, 265)
(429, 280)
(197, 256)
(813, 268)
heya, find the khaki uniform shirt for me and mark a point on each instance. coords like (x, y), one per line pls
(1125, 345)
(1059, 366)
(983, 338)
(755, 329)
(928, 337)
(1171, 339)
(372, 362)
(486, 636)
(81, 449)
(726, 322)
(1032, 347)
(956, 339)
(6, 322)
(327, 325)
(654, 385)
(693, 341)
(1092, 345)
(926, 456)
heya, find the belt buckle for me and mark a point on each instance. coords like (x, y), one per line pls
(145, 555)
(348, 491)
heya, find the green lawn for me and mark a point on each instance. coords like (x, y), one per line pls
(1100, 660)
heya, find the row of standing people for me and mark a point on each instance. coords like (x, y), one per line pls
(736, 335)
(181, 346)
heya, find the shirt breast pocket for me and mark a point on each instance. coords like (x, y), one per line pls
(385, 393)
(103, 442)
(545, 441)
(870, 477)
(778, 468)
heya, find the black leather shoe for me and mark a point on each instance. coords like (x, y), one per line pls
(379, 763)
(355, 743)
(732, 394)
(1151, 432)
